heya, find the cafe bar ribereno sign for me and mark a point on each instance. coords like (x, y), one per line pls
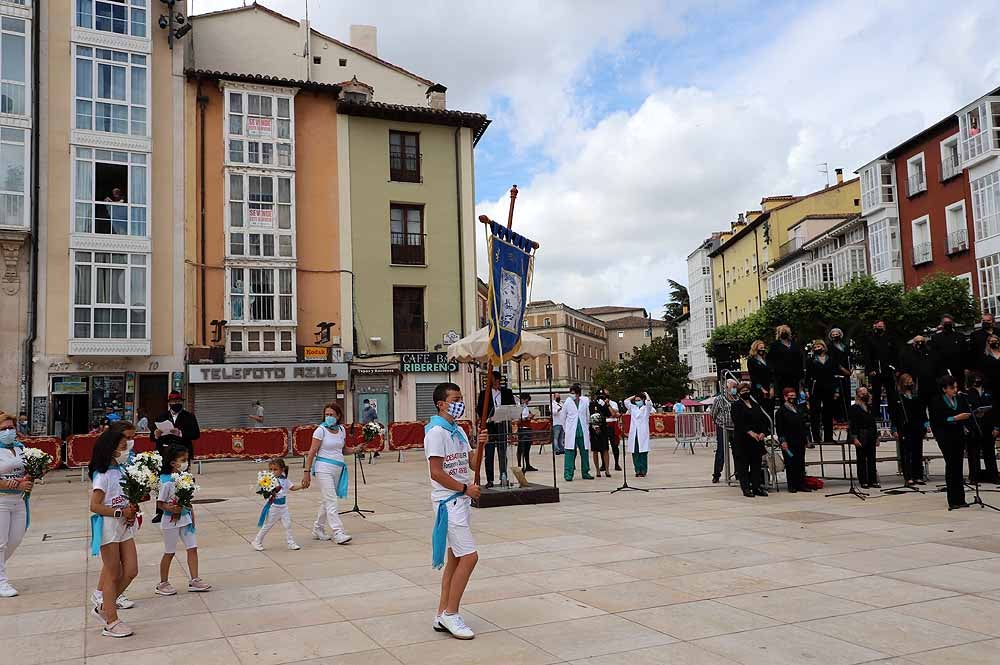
(413, 363)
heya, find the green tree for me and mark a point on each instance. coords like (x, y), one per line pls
(653, 369)
(853, 308)
(607, 376)
(679, 303)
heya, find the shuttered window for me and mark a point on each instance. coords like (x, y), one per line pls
(425, 400)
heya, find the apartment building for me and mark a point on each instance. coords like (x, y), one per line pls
(18, 218)
(111, 214)
(627, 328)
(979, 156)
(828, 254)
(740, 264)
(701, 320)
(579, 345)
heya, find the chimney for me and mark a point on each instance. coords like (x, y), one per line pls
(436, 96)
(365, 37)
(740, 220)
(840, 176)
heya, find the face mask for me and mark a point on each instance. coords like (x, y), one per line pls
(879, 331)
(176, 408)
(784, 335)
(820, 351)
(732, 391)
(908, 386)
(977, 384)
(863, 398)
(947, 326)
(129, 445)
(7, 437)
(918, 345)
(745, 396)
(761, 352)
(456, 409)
(988, 325)
(183, 466)
(330, 421)
(121, 457)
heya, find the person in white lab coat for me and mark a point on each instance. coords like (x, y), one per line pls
(639, 409)
(577, 410)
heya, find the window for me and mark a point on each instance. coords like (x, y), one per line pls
(883, 239)
(958, 233)
(123, 17)
(261, 341)
(916, 177)
(979, 129)
(13, 70)
(621, 356)
(261, 295)
(13, 159)
(706, 270)
(259, 130)
(819, 275)
(986, 205)
(877, 186)
(404, 156)
(406, 234)
(647, 333)
(547, 322)
(111, 91)
(621, 334)
(109, 295)
(408, 318)
(848, 263)
(951, 163)
(111, 192)
(526, 373)
(261, 218)
(921, 240)
(989, 283)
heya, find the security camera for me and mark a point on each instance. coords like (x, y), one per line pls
(180, 18)
(163, 22)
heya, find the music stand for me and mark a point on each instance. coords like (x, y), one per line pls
(853, 490)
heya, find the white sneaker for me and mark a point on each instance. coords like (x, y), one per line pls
(436, 625)
(257, 545)
(293, 546)
(320, 535)
(124, 603)
(97, 599)
(6, 590)
(341, 538)
(454, 624)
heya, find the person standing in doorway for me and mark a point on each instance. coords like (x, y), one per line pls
(257, 414)
(185, 431)
(558, 426)
(497, 446)
(639, 409)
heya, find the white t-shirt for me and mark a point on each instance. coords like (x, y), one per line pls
(258, 411)
(332, 446)
(109, 482)
(454, 450)
(285, 484)
(558, 415)
(11, 464)
(166, 496)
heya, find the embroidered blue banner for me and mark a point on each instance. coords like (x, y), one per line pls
(510, 273)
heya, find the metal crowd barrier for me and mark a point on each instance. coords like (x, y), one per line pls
(692, 428)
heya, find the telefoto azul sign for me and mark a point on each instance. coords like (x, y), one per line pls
(412, 363)
(277, 373)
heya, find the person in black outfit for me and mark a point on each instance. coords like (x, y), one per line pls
(949, 349)
(880, 359)
(982, 438)
(600, 440)
(990, 365)
(497, 446)
(184, 433)
(917, 361)
(822, 374)
(786, 360)
(761, 375)
(950, 414)
(910, 425)
(791, 423)
(524, 435)
(976, 345)
(839, 351)
(862, 431)
(751, 427)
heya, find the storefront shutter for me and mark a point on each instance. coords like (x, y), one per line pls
(285, 404)
(425, 400)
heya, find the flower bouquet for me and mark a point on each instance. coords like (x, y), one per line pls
(150, 461)
(36, 462)
(184, 490)
(596, 419)
(268, 485)
(138, 484)
(372, 431)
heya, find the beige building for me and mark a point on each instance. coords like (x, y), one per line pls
(111, 215)
(629, 332)
(579, 346)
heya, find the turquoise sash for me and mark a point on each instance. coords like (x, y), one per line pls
(166, 478)
(439, 538)
(267, 510)
(96, 533)
(342, 482)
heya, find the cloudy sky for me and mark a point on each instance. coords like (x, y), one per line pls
(633, 129)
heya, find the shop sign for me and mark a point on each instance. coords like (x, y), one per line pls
(276, 373)
(69, 385)
(314, 353)
(437, 361)
(370, 371)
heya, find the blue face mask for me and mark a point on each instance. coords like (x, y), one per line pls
(330, 421)
(456, 409)
(7, 437)
(732, 391)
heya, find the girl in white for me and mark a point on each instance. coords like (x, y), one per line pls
(277, 509)
(325, 461)
(177, 525)
(112, 524)
(128, 429)
(13, 486)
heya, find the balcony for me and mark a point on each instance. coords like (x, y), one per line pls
(916, 184)
(958, 241)
(950, 167)
(408, 249)
(789, 247)
(921, 253)
(979, 131)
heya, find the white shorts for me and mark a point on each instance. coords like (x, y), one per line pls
(460, 539)
(181, 533)
(115, 531)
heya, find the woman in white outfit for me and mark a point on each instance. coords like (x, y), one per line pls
(325, 463)
(13, 485)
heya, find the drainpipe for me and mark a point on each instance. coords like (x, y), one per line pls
(202, 103)
(461, 251)
(27, 353)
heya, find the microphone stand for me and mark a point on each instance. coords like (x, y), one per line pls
(625, 487)
(977, 499)
(357, 509)
(770, 452)
(853, 489)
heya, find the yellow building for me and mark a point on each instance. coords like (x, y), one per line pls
(740, 265)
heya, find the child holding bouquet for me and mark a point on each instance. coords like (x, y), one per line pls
(14, 484)
(112, 524)
(276, 508)
(177, 487)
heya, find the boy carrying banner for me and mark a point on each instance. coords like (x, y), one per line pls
(452, 490)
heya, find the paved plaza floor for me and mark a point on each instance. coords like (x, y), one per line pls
(692, 576)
